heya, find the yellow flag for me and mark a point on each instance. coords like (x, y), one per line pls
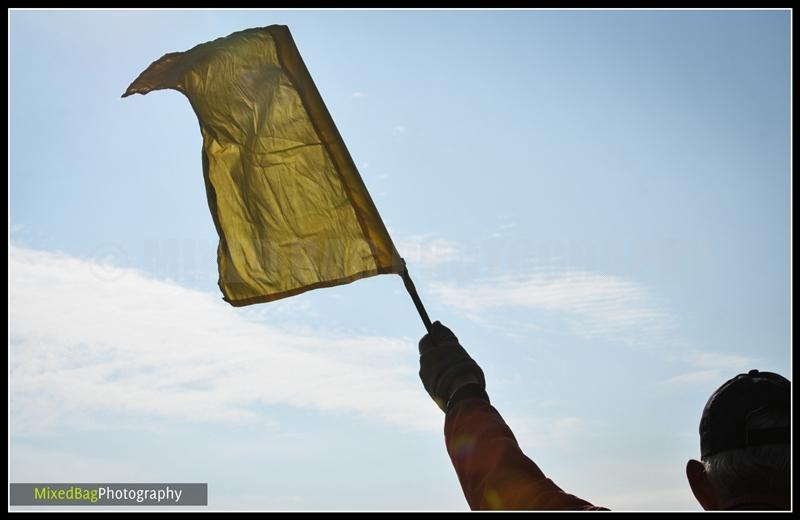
(290, 208)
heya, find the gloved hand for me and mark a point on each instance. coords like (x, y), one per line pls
(444, 365)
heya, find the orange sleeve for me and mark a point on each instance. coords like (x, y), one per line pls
(493, 471)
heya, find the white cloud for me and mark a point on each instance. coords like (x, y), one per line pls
(503, 230)
(427, 250)
(595, 305)
(648, 498)
(398, 130)
(536, 432)
(695, 377)
(85, 346)
(357, 94)
(29, 464)
(718, 361)
(709, 368)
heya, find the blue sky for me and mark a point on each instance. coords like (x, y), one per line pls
(597, 203)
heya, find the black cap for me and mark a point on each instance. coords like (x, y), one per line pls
(731, 418)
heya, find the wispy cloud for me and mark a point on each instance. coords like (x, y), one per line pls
(84, 345)
(398, 130)
(357, 94)
(717, 360)
(60, 466)
(695, 377)
(503, 230)
(651, 498)
(428, 250)
(706, 367)
(595, 305)
(535, 432)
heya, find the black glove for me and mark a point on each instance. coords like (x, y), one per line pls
(445, 367)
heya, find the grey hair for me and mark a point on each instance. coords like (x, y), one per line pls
(757, 470)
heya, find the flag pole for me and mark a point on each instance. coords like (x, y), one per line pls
(412, 291)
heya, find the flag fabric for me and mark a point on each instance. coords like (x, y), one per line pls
(288, 203)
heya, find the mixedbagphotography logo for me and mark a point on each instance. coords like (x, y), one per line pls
(74, 494)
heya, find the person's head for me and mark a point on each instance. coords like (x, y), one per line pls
(744, 445)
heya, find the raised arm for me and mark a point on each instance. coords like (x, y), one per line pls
(493, 471)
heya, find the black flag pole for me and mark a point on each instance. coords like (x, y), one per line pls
(412, 291)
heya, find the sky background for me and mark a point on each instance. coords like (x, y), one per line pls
(597, 203)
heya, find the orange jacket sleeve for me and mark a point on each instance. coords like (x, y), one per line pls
(493, 471)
